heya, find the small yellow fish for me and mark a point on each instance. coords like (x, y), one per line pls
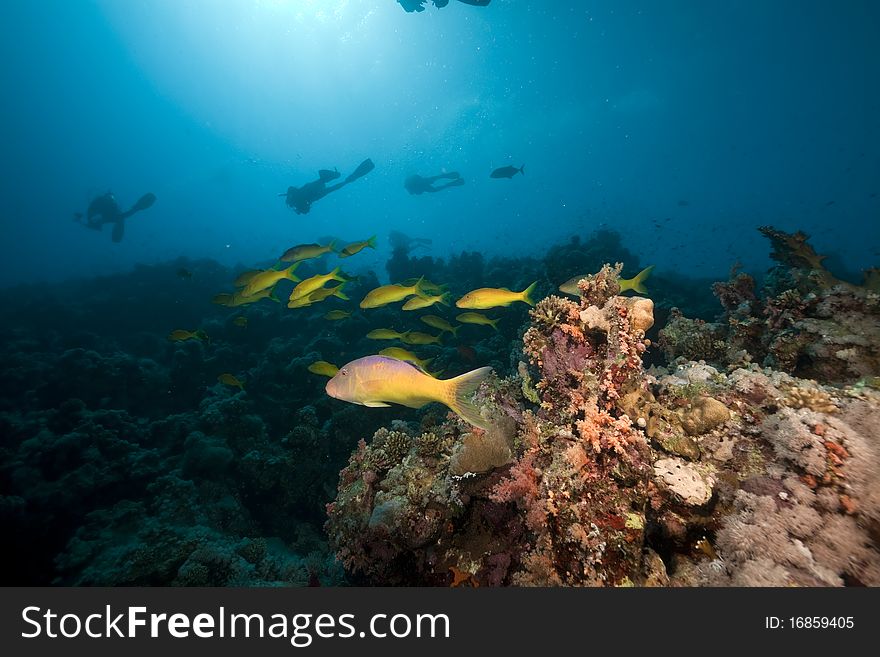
(323, 368)
(427, 286)
(230, 380)
(181, 336)
(375, 381)
(477, 318)
(266, 279)
(245, 277)
(318, 295)
(306, 287)
(306, 252)
(439, 323)
(635, 283)
(386, 294)
(323, 292)
(240, 321)
(357, 247)
(402, 354)
(385, 334)
(423, 302)
(492, 297)
(336, 315)
(238, 299)
(415, 337)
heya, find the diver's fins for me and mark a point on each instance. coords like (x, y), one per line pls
(363, 169)
(118, 231)
(143, 203)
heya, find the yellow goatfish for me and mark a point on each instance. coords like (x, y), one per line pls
(386, 294)
(477, 318)
(323, 368)
(268, 278)
(635, 283)
(238, 299)
(181, 335)
(423, 302)
(318, 295)
(415, 337)
(439, 323)
(305, 252)
(245, 277)
(380, 381)
(385, 334)
(492, 297)
(309, 285)
(336, 315)
(357, 247)
(402, 354)
(323, 292)
(230, 380)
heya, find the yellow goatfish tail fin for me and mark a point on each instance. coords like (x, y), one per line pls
(337, 292)
(332, 246)
(636, 282)
(459, 391)
(372, 242)
(494, 323)
(527, 294)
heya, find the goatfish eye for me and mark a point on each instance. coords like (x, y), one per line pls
(343, 372)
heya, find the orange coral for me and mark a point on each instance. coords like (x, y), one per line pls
(462, 578)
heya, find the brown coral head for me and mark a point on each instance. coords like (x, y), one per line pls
(815, 399)
(597, 288)
(641, 313)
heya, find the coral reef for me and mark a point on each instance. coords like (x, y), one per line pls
(805, 321)
(749, 456)
(604, 474)
(549, 496)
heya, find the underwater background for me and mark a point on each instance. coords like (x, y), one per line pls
(156, 432)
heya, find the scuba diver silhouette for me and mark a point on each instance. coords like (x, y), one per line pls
(416, 184)
(105, 210)
(300, 199)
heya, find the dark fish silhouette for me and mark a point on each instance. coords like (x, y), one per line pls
(507, 172)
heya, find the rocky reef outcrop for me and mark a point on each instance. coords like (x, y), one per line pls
(598, 472)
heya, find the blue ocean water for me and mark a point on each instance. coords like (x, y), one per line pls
(717, 116)
(650, 133)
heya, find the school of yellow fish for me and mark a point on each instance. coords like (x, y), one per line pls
(399, 385)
